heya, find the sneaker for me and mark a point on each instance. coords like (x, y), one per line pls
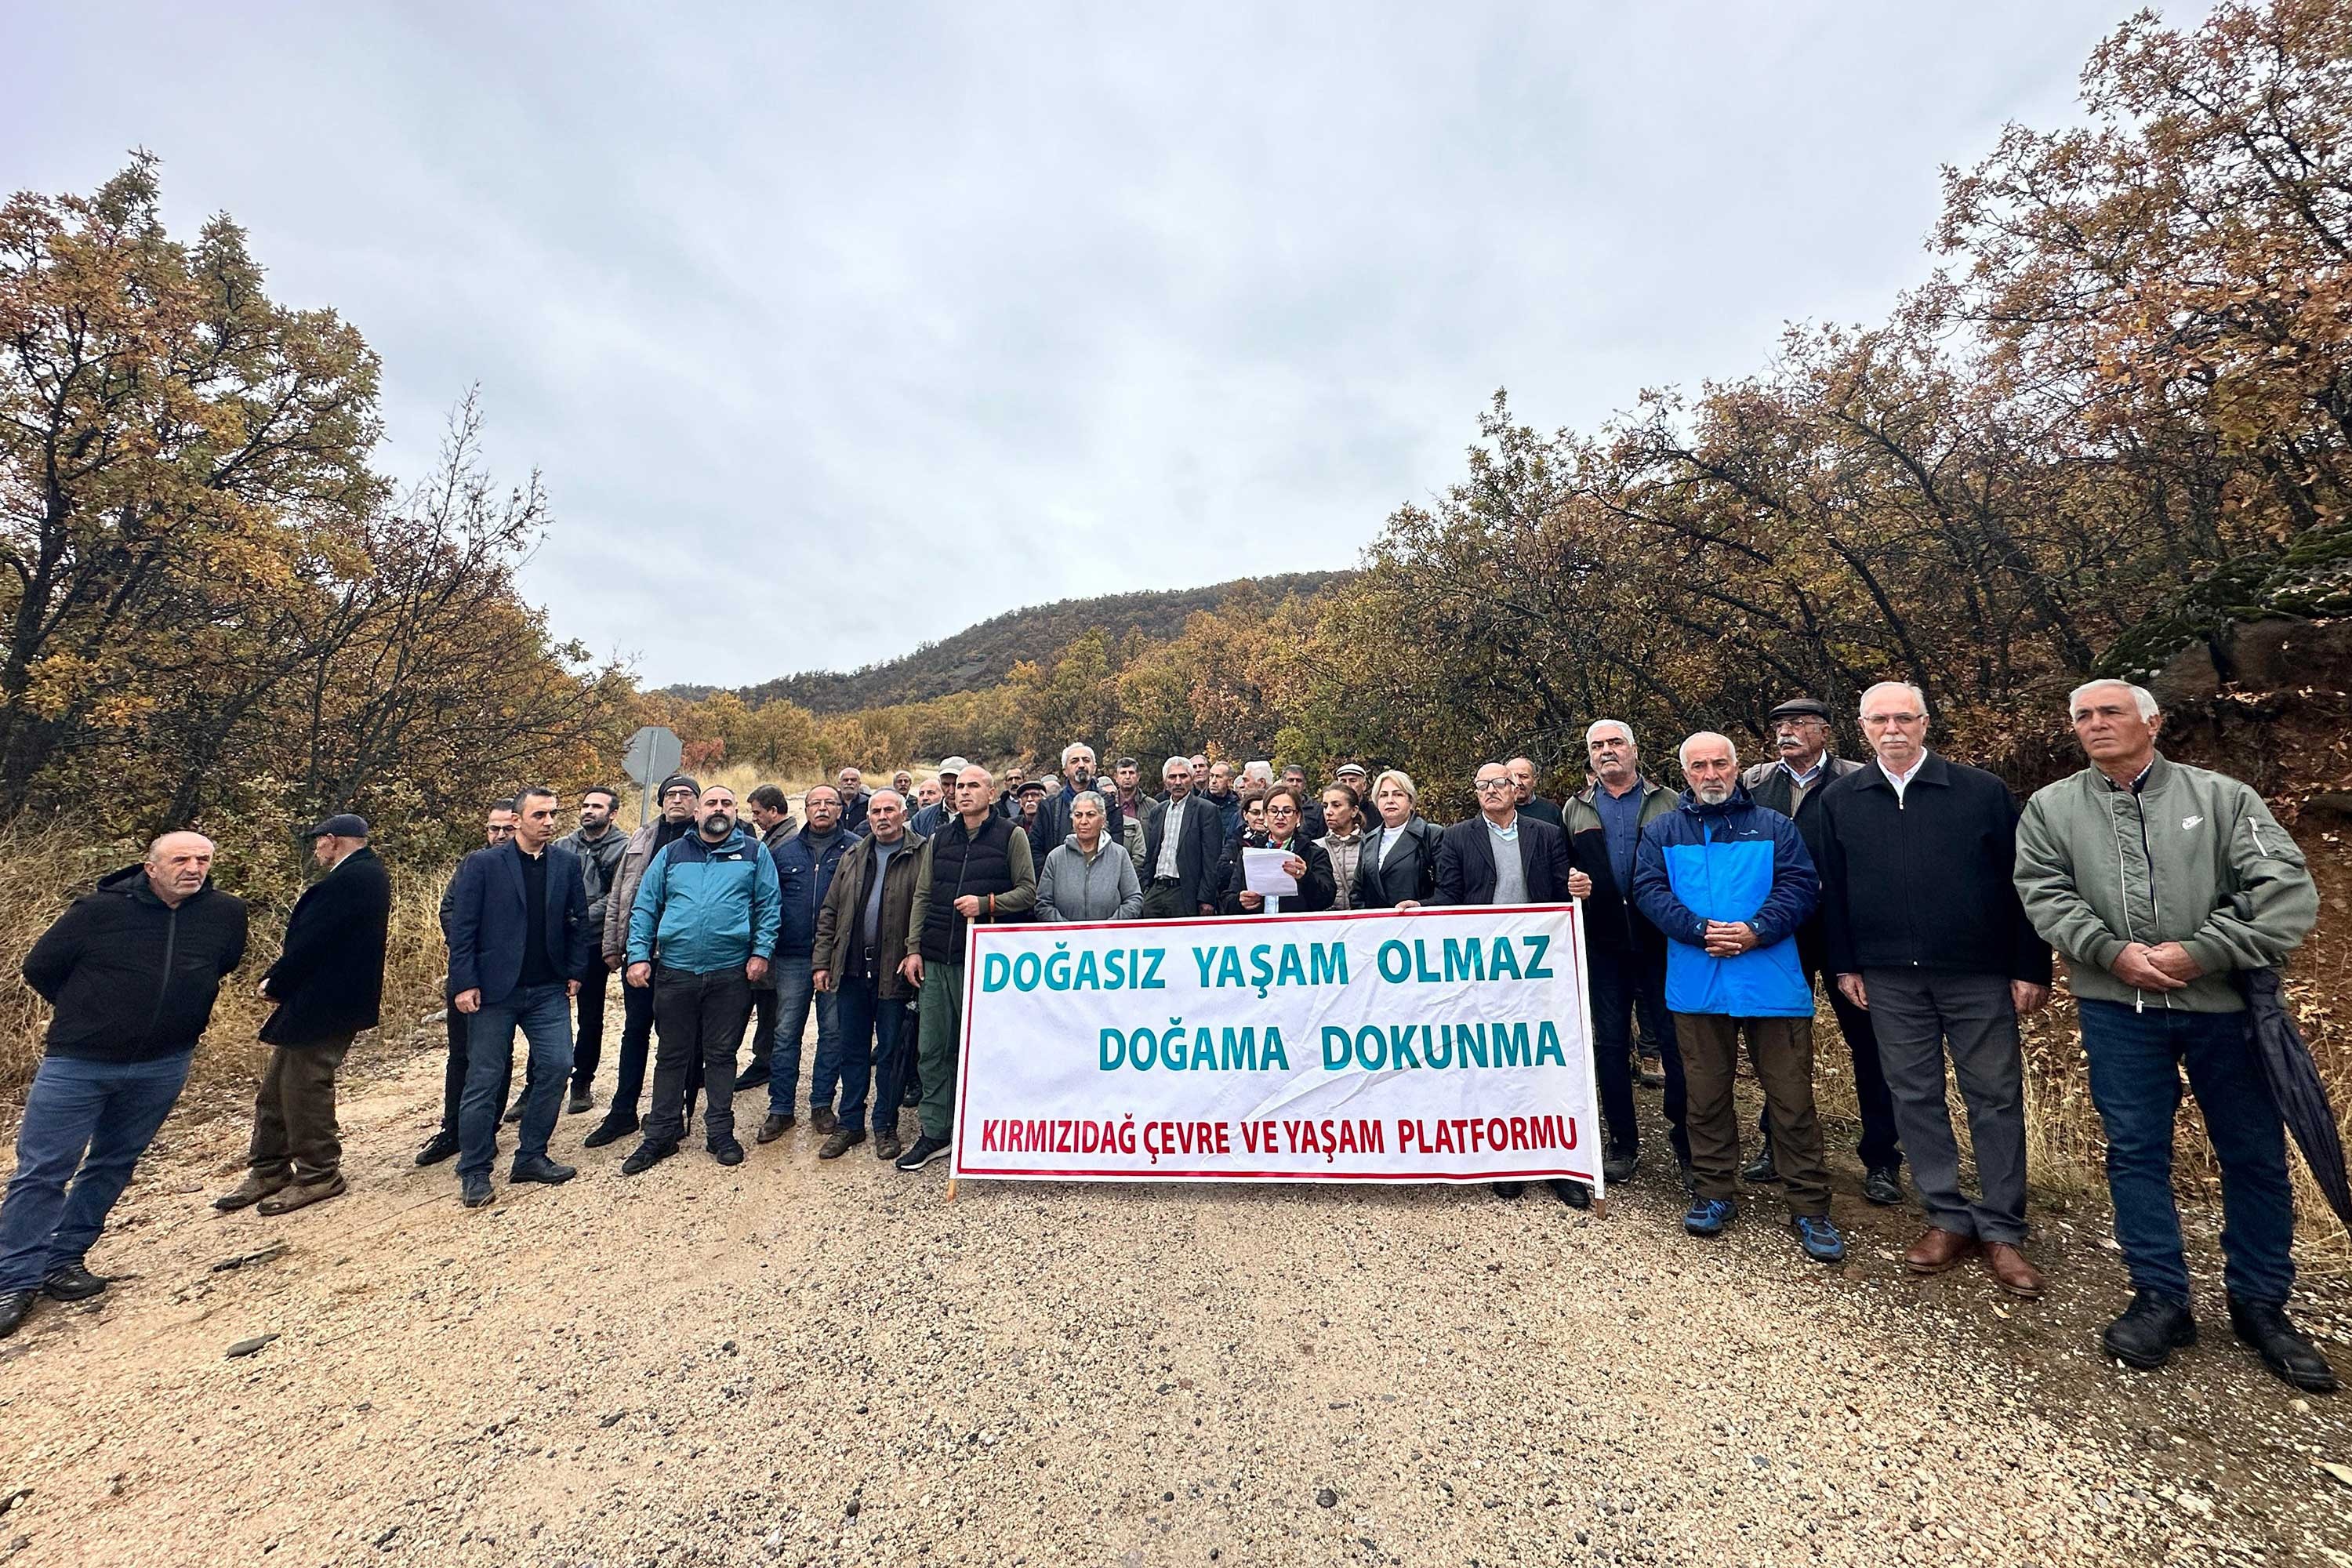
(1619, 1165)
(646, 1156)
(2150, 1331)
(1653, 1074)
(726, 1152)
(823, 1120)
(302, 1194)
(72, 1282)
(756, 1076)
(255, 1187)
(475, 1193)
(1882, 1186)
(1708, 1217)
(926, 1150)
(886, 1146)
(1819, 1237)
(841, 1141)
(14, 1306)
(441, 1146)
(540, 1168)
(774, 1126)
(1575, 1195)
(579, 1102)
(1761, 1171)
(615, 1126)
(2293, 1358)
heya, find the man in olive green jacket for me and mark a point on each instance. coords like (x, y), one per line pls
(2157, 881)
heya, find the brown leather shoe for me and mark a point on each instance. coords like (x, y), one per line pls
(249, 1191)
(2007, 1265)
(302, 1194)
(1938, 1249)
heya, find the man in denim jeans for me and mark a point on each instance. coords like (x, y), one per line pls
(517, 921)
(2156, 881)
(805, 864)
(132, 970)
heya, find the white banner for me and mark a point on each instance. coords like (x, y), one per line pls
(1447, 1045)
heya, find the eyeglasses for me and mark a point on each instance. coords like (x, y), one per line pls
(505, 831)
(1882, 721)
(1494, 784)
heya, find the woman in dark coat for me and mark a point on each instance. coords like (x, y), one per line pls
(1309, 863)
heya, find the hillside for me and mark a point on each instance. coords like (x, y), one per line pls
(980, 656)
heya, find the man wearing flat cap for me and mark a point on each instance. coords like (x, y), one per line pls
(1808, 765)
(328, 984)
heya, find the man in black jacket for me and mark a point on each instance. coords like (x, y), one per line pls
(1503, 856)
(1183, 846)
(328, 984)
(1793, 787)
(498, 828)
(1924, 927)
(1052, 824)
(132, 970)
(600, 845)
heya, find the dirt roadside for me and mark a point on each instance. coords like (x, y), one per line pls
(811, 1363)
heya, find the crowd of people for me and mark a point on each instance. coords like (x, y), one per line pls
(1908, 890)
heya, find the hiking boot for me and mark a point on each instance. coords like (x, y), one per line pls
(886, 1146)
(2150, 1331)
(1761, 1171)
(617, 1124)
(474, 1191)
(926, 1150)
(2293, 1358)
(842, 1141)
(252, 1189)
(441, 1146)
(302, 1194)
(1652, 1073)
(1575, 1195)
(1819, 1237)
(1708, 1217)
(540, 1168)
(1882, 1186)
(14, 1306)
(726, 1152)
(1619, 1165)
(774, 1126)
(72, 1282)
(580, 1101)
(823, 1120)
(646, 1156)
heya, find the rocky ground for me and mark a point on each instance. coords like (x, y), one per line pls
(832, 1364)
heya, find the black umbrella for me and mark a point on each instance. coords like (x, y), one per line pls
(2294, 1079)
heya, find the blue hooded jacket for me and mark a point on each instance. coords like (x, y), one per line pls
(1737, 861)
(804, 876)
(702, 907)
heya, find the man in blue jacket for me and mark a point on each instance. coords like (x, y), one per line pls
(1728, 883)
(700, 929)
(805, 864)
(517, 921)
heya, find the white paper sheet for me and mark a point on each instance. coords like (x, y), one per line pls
(1263, 873)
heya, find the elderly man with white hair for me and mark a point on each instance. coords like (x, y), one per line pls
(2162, 884)
(1922, 927)
(1053, 824)
(1183, 847)
(1728, 882)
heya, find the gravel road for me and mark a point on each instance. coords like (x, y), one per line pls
(811, 1363)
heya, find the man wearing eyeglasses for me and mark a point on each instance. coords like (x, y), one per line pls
(1793, 787)
(497, 827)
(1924, 927)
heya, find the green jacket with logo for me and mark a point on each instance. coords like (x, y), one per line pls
(2192, 856)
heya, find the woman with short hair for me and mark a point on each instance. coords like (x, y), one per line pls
(1398, 865)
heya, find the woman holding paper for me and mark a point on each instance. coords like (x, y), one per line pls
(1291, 875)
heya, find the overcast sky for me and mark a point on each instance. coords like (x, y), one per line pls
(841, 328)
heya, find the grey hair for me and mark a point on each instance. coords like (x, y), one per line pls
(1682, 753)
(893, 794)
(1599, 724)
(2148, 707)
(1173, 764)
(1086, 797)
(1917, 696)
(1072, 749)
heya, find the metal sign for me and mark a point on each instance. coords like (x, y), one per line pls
(653, 756)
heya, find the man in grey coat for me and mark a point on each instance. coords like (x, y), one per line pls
(2158, 882)
(1087, 876)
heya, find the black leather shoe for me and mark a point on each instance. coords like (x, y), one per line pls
(2292, 1357)
(646, 1156)
(72, 1282)
(2150, 1330)
(1762, 1169)
(911, 1096)
(612, 1129)
(439, 1147)
(514, 1112)
(540, 1168)
(774, 1126)
(752, 1077)
(14, 1305)
(726, 1152)
(1619, 1165)
(1575, 1195)
(580, 1101)
(475, 1193)
(1882, 1187)
(1509, 1189)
